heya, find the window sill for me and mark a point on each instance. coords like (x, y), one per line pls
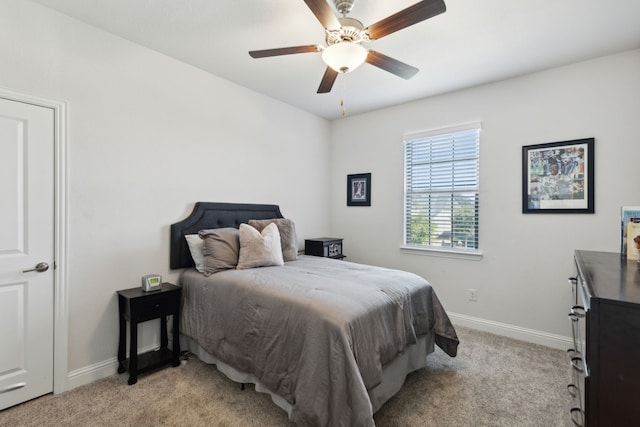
(474, 255)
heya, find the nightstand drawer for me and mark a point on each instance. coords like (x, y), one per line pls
(154, 306)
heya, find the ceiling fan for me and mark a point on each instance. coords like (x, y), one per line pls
(344, 37)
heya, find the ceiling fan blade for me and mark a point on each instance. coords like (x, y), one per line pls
(412, 15)
(328, 79)
(284, 51)
(323, 13)
(391, 65)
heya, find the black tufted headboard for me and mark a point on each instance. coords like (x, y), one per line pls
(207, 215)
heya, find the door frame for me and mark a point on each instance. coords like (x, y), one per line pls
(60, 285)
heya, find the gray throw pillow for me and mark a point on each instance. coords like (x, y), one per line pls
(220, 249)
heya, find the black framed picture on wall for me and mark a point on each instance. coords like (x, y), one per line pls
(557, 177)
(359, 189)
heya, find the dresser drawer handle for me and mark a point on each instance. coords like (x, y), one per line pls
(157, 306)
(573, 389)
(575, 411)
(578, 310)
(577, 363)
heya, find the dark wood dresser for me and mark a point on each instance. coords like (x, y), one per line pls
(605, 359)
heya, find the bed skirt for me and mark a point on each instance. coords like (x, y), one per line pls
(393, 374)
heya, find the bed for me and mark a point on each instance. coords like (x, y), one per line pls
(331, 341)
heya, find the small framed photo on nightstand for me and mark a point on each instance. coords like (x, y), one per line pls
(359, 189)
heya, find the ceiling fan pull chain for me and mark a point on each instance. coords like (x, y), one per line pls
(344, 91)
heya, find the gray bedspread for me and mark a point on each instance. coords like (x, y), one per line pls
(315, 331)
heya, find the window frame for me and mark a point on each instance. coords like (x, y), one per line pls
(442, 251)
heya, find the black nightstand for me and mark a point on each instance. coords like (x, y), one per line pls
(138, 306)
(328, 247)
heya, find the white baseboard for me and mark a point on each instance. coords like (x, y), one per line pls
(524, 334)
(99, 370)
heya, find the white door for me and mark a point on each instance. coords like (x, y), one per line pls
(26, 241)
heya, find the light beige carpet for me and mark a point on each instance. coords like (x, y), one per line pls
(494, 381)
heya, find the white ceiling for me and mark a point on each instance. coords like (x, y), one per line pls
(473, 42)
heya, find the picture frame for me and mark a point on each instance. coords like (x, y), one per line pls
(359, 189)
(558, 177)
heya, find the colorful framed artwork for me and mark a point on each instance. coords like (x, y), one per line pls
(558, 177)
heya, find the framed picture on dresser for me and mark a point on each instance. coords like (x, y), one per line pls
(558, 177)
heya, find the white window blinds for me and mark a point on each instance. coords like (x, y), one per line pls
(441, 188)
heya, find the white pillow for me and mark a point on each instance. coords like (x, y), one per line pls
(195, 247)
(259, 249)
(288, 237)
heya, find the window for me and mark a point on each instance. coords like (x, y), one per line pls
(441, 189)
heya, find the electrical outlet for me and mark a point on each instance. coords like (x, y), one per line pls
(473, 295)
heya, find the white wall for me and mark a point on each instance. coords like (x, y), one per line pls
(147, 137)
(522, 278)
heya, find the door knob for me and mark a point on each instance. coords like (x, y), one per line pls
(40, 268)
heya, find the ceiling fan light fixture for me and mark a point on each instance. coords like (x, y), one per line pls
(345, 56)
